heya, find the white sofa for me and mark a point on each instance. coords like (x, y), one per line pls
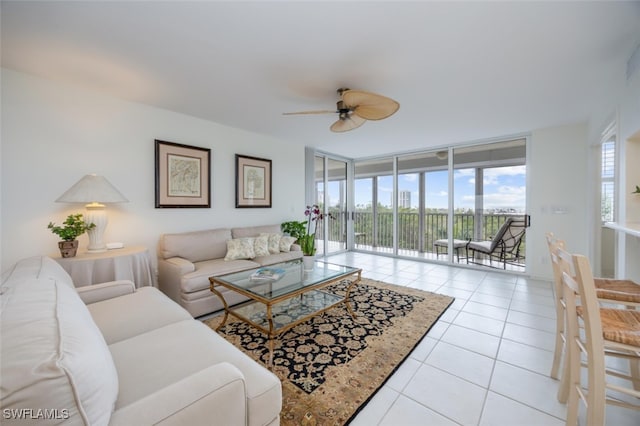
(109, 354)
(187, 260)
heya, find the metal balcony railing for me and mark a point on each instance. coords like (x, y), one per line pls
(409, 236)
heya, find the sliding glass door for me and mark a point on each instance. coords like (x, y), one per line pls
(489, 190)
(331, 196)
(429, 205)
(422, 203)
(373, 213)
(336, 205)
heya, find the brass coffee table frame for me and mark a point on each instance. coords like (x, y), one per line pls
(272, 331)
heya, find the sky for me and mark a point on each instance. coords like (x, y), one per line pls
(504, 188)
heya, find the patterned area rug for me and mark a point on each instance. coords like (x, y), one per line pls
(332, 364)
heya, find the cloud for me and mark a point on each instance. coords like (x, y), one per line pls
(461, 173)
(492, 176)
(506, 196)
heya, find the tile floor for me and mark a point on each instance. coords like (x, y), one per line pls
(485, 362)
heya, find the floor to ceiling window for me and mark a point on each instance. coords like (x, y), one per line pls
(423, 202)
(409, 227)
(436, 204)
(608, 210)
(330, 185)
(319, 185)
(363, 211)
(418, 204)
(489, 187)
(373, 212)
(336, 198)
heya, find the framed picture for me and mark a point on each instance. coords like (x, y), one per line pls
(182, 175)
(253, 182)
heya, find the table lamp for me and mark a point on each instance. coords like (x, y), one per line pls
(96, 191)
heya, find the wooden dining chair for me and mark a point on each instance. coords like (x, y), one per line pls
(554, 246)
(593, 332)
(608, 291)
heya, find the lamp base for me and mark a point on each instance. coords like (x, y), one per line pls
(97, 215)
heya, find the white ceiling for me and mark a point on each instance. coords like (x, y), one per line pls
(461, 71)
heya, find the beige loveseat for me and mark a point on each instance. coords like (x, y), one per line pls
(187, 260)
(109, 354)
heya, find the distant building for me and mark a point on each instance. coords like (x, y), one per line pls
(404, 199)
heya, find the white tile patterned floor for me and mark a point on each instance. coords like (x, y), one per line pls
(486, 361)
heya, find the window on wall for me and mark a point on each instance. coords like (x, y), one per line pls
(373, 216)
(407, 215)
(607, 177)
(422, 202)
(319, 198)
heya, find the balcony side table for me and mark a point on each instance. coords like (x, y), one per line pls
(128, 263)
(457, 245)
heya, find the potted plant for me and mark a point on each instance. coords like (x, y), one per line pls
(305, 237)
(71, 229)
(294, 228)
(298, 230)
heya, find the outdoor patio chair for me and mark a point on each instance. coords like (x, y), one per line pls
(503, 247)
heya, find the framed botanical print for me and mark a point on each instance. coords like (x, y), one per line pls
(253, 182)
(182, 176)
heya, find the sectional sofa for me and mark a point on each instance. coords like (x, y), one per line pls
(108, 354)
(187, 260)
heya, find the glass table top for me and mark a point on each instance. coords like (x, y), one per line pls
(292, 278)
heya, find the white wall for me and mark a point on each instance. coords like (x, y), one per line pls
(557, 185)
(52, 135)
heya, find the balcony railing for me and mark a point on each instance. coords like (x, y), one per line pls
(410, 237)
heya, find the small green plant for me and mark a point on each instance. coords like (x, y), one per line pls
(72, 228)
(294, 228)
(637, 191)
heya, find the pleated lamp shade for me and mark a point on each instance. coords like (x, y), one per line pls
(94, 191)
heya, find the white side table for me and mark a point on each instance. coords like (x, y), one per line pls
(128, 263)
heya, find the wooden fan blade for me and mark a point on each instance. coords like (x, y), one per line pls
(370, 106)
(311, 112)
(347, 123)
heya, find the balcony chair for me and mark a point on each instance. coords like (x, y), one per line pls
(608, 291)
(593, 332)
(504, 246)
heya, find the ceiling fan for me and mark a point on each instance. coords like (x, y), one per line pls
(355, 107)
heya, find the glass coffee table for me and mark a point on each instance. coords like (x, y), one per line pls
(275, 306)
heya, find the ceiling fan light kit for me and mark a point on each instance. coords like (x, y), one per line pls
(346, 122)
(355, 107)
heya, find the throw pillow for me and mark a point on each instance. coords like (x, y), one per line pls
(274, 242)
(261, 245)
(286, 242)
(240, 248)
